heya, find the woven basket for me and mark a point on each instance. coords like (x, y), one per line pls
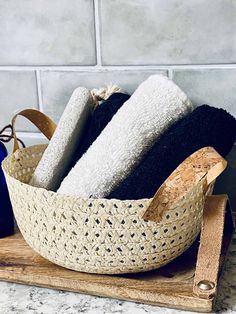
(109, 236)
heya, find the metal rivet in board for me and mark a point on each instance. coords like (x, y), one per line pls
(206, 285)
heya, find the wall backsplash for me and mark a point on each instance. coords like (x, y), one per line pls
(50, 47)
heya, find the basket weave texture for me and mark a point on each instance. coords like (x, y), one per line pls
(98, 235)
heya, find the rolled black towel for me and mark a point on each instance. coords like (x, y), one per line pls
(205, 126)
(100, 118)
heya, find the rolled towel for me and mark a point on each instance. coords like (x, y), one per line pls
(102, 114)
(155, 105)
(54, 163)
(205, 126)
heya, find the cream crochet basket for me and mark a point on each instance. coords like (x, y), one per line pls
(109, 236)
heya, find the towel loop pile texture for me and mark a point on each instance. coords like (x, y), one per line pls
(102, 114)
(154, 107)
(205, 126)
(57, 156)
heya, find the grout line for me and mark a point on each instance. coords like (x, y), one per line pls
(170, 74)
(99, 67)
(37, 135)
(97, 32)
(39, 90)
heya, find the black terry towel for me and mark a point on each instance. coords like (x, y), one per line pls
(205, 126)
(102, 114)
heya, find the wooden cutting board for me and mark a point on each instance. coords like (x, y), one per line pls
(170, 286)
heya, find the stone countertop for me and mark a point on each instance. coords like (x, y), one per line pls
(21, 299)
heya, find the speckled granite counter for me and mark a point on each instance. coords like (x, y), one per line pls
(20, 299)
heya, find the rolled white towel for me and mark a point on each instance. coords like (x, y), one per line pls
(155, 105)
(57, 156)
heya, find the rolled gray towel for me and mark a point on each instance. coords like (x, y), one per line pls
(58, 155)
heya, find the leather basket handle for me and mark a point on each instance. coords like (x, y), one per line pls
(39, 119)
(205, 163)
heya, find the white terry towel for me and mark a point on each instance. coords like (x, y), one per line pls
(57, 156)
(155, 105)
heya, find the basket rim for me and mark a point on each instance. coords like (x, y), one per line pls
(76, 198)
